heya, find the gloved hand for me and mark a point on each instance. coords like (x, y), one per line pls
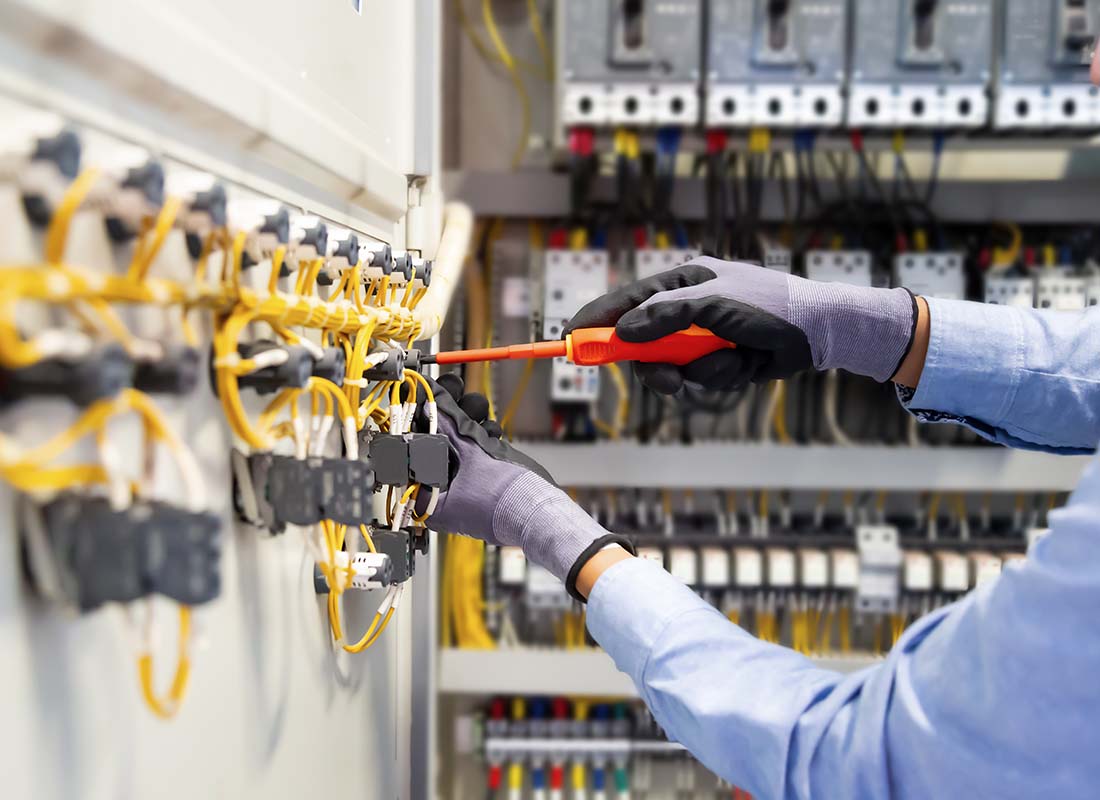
(782, 324)
(498, 494)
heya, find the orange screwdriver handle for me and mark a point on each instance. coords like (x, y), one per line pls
(593, 346)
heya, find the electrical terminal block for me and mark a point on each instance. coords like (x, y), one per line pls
(844, 569)
(952, 572)
(984, 567)
(250, 496)
(748, 568)
(304, 491)
(781, 568)
(94, 373)
(401, 547)
(391, 369)
(716, 568)
(83, 552)
(683, 564)
(544, 592)
(813, 568)
(368, 571)
(917, 572)
(308, 240)
(411, 458)
(403, 266)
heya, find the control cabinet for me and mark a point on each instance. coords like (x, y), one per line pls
(921, 63)
(779, 63)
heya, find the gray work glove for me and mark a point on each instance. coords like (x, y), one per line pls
(782, 324)
(498, 494)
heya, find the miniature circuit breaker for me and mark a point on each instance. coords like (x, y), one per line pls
(776, 64)
(570, 279)
(921, 64)
(1056, 290)
(629, 62)
(1043, 80)
(1006, 290)
(880, 561)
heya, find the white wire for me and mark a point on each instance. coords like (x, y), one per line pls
(832, 383)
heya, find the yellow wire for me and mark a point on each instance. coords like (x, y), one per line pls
(57, 232)
(166, 707)
(540, 38)
(513, 73)
(517, 397)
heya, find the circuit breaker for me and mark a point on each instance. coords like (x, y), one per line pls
(1007, 290)
(776, 63)
(1061, 292)
(650, 261)
(570, 279)
(921, 63)
(938, 275)
(1043, 79)
(839, 266)
(629, 62)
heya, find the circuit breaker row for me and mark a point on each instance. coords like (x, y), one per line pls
(1008, 64)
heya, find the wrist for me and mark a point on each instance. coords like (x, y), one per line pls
(552, 530)
(862, 330)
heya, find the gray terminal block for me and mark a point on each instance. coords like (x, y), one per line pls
(429, 460)
(182, 553)
(250, 492)
(389, 455)
(921, 64)
(103, 373)
(776, 64)
(399, 546)
(293, 491)
(346, 491)
(629, 63)
(1043, 70)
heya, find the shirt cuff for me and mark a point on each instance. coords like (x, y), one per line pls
(631, 605)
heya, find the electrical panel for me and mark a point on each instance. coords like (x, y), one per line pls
(776, 64)
(921, 64)
(931, 274)
(628, 62)
(570, 279)
(1043, 79)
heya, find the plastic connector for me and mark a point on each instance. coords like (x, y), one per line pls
(392, 369)
(403, 268)
(332, 366)
(293, 491)
(311, 242)
(295, 371)
(272, 231)
(60, 154)
(175, 372)
(379, 262)
(368, 571)
(343, 255)
(146, 185)
(82, 551)
(207, 209)
(103, 373)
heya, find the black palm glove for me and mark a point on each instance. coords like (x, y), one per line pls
(781, 324)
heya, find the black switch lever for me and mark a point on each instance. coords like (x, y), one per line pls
(925, 23)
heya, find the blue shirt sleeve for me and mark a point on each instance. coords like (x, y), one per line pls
(1022, 377)
(994, 696)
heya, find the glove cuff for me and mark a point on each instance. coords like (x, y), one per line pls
(858, 329)
(552, 530)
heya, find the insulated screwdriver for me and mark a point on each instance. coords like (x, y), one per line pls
(590, 347)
